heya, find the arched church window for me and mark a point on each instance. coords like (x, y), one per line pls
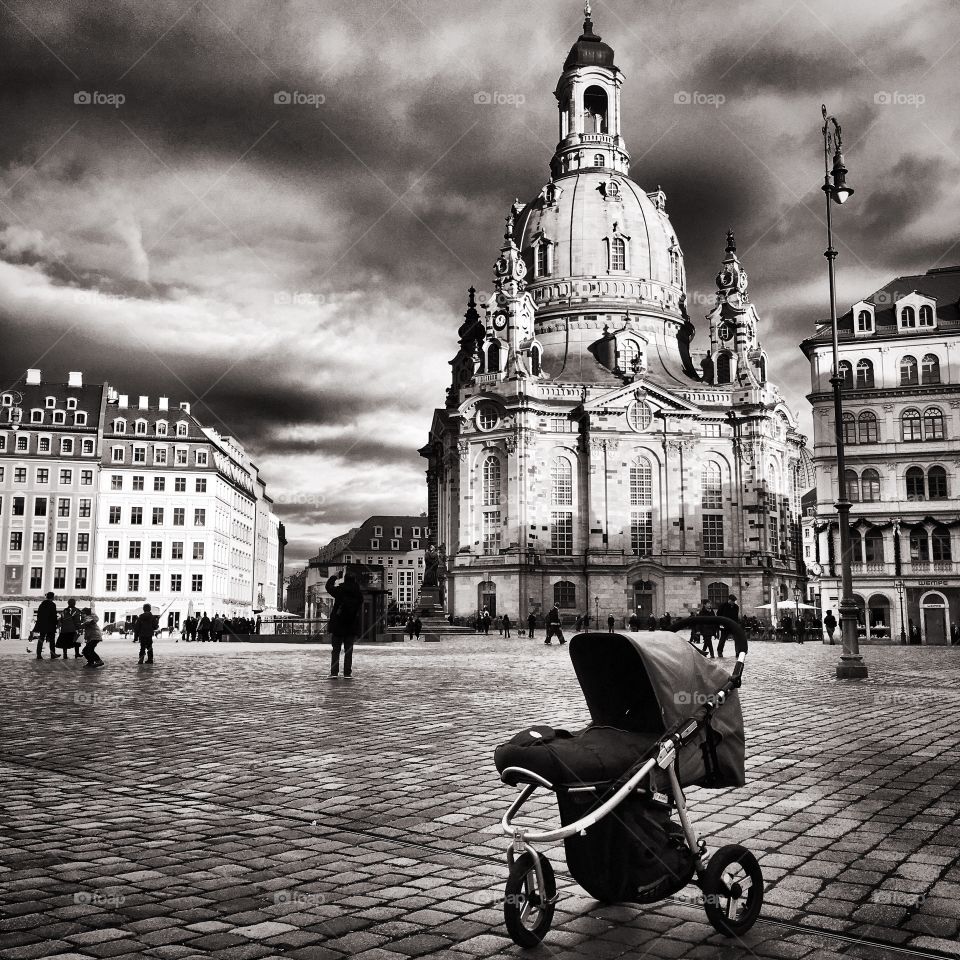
(641, 483)
(595, 110)
(711, 486)
(543, 258)
(717, 594)
(561, 477)
(565, 595)
(762, 369)
(723, 368)
(618, 254)
(629, 355)
(598, 159)
(491, 482)
(493, 356)
(536, 358)
(487, 417)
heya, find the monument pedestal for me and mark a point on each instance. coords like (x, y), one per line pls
(430, 603)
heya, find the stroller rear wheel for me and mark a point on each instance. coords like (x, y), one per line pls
(733, 890)
(528, 910)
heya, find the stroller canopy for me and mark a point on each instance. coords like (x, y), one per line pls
(649, 681)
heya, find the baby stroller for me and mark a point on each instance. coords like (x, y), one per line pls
(664, 718)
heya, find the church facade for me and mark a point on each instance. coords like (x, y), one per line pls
(585, 455)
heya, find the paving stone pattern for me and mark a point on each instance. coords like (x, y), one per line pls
(232, 801)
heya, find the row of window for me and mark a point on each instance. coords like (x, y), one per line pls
(914, 425)
(59, 578)
(160, 428)
(19, 506)
(135, 547)
(50, 402)
(911, 373)
(57, 418)
(42, 475)
(181, 456)
(39, 542)
(115, 516)
(159, 483)
(865, 488)
(397, 531)
(111, 583)
(869, 547)
(45, 445)
(908, 317)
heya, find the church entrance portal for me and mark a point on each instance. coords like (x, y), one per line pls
(487, 597)
(643, 591)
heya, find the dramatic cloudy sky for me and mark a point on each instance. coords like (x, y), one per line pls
(298, 270)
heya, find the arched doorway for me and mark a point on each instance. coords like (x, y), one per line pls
(933, 618)
(879, 617)
(643, 594)
(717, 594)
(487, 597)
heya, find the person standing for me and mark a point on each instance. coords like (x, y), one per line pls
(505, 623)
(578, 623)
(486, 621)
(69, 629)
(144, 627)
(611, 622)
(46, 627)
(651, 622)
(914, 633)
(955, 635)
(217, 627)
(343, 624)
(410, 627)
(706, 632)
(666, 622)
(531, 624)
(417, 627)
(553, 626)
(634, 622)
(90, 623)
(830, 622)
(731, 610)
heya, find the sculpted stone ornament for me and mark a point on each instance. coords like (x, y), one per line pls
(462, 449)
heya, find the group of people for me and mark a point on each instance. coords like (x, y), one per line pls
(205, 628)
(63, 630)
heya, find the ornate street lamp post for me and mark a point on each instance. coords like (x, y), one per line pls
(900, 585)
(851, 665)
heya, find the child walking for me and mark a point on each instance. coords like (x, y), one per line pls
(90, 623)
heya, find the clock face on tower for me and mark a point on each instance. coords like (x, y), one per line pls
(499, 321)
(724, 331)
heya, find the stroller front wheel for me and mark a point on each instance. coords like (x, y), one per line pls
(732, 890)
(528, 910)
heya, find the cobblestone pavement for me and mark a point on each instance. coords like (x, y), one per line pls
(231, 801)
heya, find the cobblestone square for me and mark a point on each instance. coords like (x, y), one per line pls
(232, 801)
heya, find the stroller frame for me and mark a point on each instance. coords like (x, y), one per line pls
(722, 897)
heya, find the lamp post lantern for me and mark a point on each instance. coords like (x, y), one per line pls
(900, 585)
(596, 607)
(836, 190)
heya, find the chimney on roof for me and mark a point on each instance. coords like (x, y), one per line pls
(164, 403)
(111, 394)
(123, 401)
(185, 407)
(33, 376)
(75, 379)
(144, 402)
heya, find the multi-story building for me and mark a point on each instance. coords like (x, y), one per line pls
(585, 455)
(166, 512)
(900, 369)
(398, 544)
(48, 488)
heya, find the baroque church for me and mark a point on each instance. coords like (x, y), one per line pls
(586, 455)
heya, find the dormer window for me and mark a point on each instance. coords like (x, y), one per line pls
(72, 403)
(51, 402)
(908, 317)
(182, 428)
(36, 416)
(926, 315)
(59, 417)
(141, 427)
(864, 320)
(161, 428)
(119, 426)
(80, 419)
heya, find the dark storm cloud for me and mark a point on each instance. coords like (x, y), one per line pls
(203, 200)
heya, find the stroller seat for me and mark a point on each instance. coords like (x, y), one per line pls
(596, 754)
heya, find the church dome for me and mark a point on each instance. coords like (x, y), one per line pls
(599, 227)
(589, 50)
